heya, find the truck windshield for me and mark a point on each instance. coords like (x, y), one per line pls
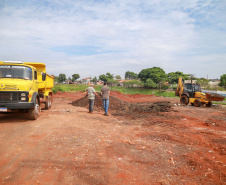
(14, 71)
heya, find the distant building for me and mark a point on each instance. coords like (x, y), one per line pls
(214, 82)
(86, 80)
(120, 81)
(99, 83)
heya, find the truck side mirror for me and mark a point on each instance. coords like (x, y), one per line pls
(43, 76)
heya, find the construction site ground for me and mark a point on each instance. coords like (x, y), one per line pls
(146, 140)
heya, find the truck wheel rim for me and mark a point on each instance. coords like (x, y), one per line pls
(37, 109)
(50, 102)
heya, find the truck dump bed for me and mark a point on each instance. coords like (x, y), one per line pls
(41, 68)
(49, 82)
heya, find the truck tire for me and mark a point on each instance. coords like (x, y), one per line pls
(34, 112)
(197, 103)
(48, 103)
(209, 104)
(184, 99)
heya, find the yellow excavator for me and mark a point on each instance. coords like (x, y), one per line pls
(192, 93)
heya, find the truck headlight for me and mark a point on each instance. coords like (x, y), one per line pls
(23, 94)
(23, 98)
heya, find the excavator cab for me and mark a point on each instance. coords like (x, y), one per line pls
(190, 89)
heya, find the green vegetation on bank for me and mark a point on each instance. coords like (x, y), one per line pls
(153, 78)
(124, 90)
(68, 88)
(219, 102)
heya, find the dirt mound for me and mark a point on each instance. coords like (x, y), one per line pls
(119, 107)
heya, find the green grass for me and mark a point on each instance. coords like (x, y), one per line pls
(69, 88)
(124, 90)
(130, 90)
(219, 102)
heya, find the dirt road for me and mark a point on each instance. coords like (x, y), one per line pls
(66, 145)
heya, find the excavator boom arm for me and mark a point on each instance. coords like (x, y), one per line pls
(180, 87)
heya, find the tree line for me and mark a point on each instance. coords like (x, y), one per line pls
(150, 77)
(62, 78)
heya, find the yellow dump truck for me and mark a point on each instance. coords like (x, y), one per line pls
(24, 86)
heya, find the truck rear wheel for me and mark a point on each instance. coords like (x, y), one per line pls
(34, 112)
(184, 99)
(197, 103)
(48, 103)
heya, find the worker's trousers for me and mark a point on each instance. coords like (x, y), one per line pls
(106, 104)
(91, 104)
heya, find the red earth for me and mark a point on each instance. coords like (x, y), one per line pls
(146, 140)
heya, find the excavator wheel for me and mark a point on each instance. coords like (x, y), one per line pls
(197, 103)
(209, 104)
(184, 100)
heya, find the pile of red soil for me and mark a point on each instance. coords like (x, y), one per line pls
(119, 107)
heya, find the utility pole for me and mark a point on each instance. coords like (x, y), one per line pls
(191, 76)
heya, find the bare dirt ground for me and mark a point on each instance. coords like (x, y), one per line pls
(145, 140)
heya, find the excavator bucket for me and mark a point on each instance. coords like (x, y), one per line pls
(214, 97)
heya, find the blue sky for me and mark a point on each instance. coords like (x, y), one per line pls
(93, 37)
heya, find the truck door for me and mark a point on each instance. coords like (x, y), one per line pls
(35, 81)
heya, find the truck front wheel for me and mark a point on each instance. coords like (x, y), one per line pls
(34, 112)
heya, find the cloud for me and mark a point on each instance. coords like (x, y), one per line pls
(94, 37)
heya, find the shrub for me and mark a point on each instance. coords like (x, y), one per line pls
(149, 83)
(165, 87)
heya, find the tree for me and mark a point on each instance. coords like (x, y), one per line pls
(109, 75)
(106, 77)
(62, 78)
(103, 77)
(118, 77)
(156, 74)
(130, 75)
(192, 77)
(94, 80)
(174, 76)
(75, 77)
(144, 75)
(203, 82)
(223, 80)
(56, 79)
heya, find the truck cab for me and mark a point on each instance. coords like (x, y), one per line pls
(20, 83)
